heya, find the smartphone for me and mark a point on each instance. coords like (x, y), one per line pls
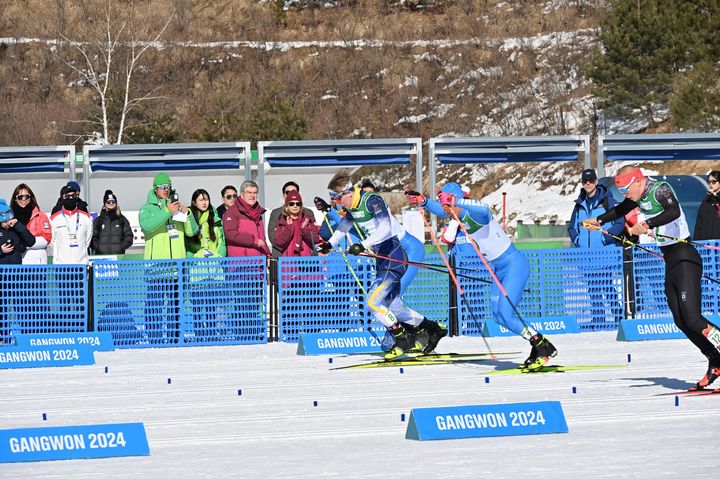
(174, 197)
(8, 242)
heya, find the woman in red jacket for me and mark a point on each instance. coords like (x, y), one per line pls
(295, 232)
(26, 210)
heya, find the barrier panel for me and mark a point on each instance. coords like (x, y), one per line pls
(42, 299)
(163, 303)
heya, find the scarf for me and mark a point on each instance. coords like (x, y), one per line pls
(23, 215)
(253, 212)
(296, 245)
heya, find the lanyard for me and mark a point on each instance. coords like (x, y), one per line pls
(77, 221)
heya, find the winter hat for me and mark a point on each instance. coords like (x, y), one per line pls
(161, 179)
(589, 175)
(109, 195)
(293, 195)
(65, 190)
(454, 189)
(73, 186)
(6, 212)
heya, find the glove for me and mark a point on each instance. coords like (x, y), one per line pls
(446, 199)
(356, 249)
(415, 198)
(325, 248)
(321, 204)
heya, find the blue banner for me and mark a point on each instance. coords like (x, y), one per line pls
(647, 329)
(489, 420)
(73, 442)
(550, 325)
(46, 356)
(98, 341)
(339, 343)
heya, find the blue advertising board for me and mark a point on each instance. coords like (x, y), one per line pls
(98, 341)
(339, 343)
(549, 325)
(46, 356)
(647, 329)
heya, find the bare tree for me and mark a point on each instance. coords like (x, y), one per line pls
(108, 67)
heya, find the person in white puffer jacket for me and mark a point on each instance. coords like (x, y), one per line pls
(27, 211)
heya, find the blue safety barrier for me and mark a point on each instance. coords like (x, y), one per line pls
(562, 282)
(42, 299)
(181, 302)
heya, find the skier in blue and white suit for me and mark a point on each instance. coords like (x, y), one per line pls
(383, 234)
(510, 265)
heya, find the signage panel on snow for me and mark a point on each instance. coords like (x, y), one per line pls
(647, 329)
(488, 420)
(550, 325)
(46, 356)
(73, 442)
(339, 343)
(99, 341)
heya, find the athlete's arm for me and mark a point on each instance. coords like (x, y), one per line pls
(671, 207)
(620, 210)
(479, 211)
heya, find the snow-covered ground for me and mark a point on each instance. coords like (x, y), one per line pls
(198, 426)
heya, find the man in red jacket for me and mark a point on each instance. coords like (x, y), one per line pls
(243, 224)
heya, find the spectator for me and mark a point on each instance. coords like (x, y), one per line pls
(26, 211)
(210, 239)
(243, 224)
(111, 231)
(367, 185)
(275, 214)
(707, 223)
(72, 230)
(71, 186)
(295, 231)
(229, 195)
(14, 238)
(594, 200)
(165, 221)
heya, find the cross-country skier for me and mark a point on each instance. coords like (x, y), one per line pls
(683, 266)
(384, 235)
(509, 264)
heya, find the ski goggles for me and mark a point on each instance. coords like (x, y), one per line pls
(335, 196)
(623, 182)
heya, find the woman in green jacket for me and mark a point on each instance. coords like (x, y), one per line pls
(210, 239)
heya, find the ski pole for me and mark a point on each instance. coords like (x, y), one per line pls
(487, 266)
(695, 243)
(640, 247)
(455, 280)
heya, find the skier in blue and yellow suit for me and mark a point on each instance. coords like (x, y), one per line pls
(509, 264)
(384, 235)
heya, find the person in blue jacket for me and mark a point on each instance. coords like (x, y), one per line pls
(510, 265)
(594, 200)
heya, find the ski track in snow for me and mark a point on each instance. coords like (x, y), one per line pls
(198, 426)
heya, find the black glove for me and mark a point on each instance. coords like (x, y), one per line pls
(356, 249)
(324, 248)
(321, 204)
(415, 198)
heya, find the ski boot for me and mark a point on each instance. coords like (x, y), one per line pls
(713, 372)
(420, 336)
(543, 351)
(403, 341)
(435, 332)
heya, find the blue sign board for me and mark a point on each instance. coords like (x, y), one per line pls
(98, 341)
(46, 356)
(646, 329)
(488, 420)
(339, 343)
(550, 325)
(73, 442)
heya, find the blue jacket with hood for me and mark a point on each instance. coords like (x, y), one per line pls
(586, 208)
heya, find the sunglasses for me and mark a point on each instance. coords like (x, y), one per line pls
(712, 182)
(111, 202)
(230, 197)
(70, 195)
(626, 188)
(294, 203)
(22, 197)
(164, 187)
(585, 182)
(335, 196)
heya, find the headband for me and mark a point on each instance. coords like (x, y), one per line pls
(623, 182)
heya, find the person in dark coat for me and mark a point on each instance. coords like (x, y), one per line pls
(111, 231)
(707, 224)
(14, 240)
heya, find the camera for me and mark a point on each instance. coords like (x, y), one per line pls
(174, 197)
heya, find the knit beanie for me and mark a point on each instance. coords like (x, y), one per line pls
(6, 212)
(109, 195)
(161, 179)
(293, 195)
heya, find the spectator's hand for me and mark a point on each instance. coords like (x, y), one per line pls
(356, 249)
(591, 224)
(289, 220)
(174, 207)
(305, 223)
(7, 248)
(321, 204)
(414, 197)
(260, 243)
(324, 248)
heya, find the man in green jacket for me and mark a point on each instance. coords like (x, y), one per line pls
(165, 222)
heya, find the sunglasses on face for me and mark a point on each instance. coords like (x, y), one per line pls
(164, 187)
(294, 203)
(231, 197)
(585, 182)
(335, 196)
(111, 202)
(712, 182)
(22, 197)
(70, 195)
